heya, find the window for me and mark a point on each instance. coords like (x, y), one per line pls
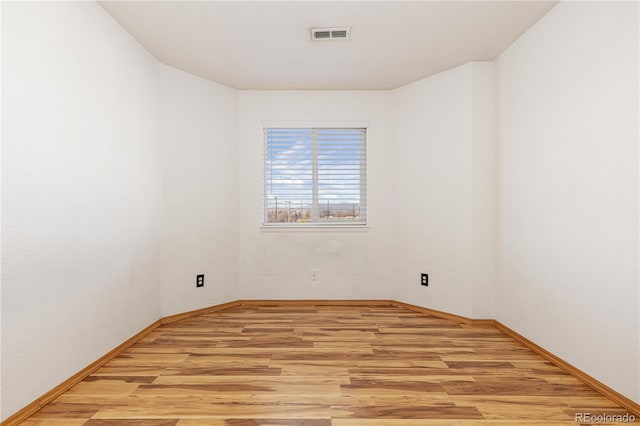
(314, 176)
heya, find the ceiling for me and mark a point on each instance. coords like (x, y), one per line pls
(266, 45)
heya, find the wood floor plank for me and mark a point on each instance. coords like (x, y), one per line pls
(220, 398)
(70, 411)
(199, 410)
(266, 380)
(320, 365)
(255, 422)
(103, 387)
(44, 421)
(407, 412)
(202, 390)
(449, 422)
(132, 422)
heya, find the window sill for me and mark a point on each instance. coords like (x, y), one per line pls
(314, 228)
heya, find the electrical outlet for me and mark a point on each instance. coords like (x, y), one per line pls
(424, 279)
(200, 280)
(314, 275)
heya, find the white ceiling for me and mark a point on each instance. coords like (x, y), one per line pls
(266, 44)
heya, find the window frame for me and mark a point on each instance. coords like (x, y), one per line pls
(361, 225)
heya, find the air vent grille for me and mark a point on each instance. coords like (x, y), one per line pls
(322, 34)
(333, 33)
(339, 34)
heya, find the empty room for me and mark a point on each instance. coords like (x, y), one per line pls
(320, 213)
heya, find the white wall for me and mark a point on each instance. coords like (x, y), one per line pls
(81, 189)
(442, 169)
(483, 190)
(567, 96)
(198, 134)
(277, 265)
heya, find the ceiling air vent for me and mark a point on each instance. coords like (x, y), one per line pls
(333, 33)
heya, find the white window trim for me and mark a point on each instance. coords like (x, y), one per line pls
(311, 124)
(334, 227)
(314, 227)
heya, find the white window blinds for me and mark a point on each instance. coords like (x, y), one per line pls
(314, 176)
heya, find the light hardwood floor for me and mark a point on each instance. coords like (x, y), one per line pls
(321, 366)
